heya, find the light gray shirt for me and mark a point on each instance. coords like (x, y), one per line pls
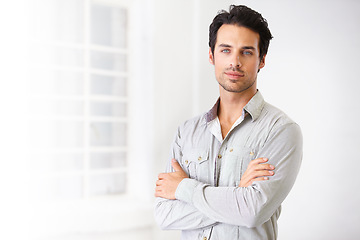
(209, 204)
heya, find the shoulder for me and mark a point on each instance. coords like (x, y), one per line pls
(278, 122)
(193, 131)
(193, 123)
(275, 116)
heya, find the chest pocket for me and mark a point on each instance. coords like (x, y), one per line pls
(234, 164)
(197, 166)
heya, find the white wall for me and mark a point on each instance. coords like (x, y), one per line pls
(310, 73)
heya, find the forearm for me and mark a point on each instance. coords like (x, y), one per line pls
(231, 205)
(250, 206)
(178, 215)
(175, 214)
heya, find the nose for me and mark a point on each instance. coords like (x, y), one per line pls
(235, 61)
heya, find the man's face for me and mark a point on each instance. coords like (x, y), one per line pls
(236, 58)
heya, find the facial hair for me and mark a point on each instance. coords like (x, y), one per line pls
(238, 88)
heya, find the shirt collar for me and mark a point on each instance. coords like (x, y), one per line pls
(212, 114)
(253, 107)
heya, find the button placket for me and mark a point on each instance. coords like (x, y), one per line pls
(206, 234)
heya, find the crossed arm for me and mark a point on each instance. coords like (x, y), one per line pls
(186, 204)
(172, 213)
(167, 183)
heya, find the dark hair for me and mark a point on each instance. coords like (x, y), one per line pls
(244, 17)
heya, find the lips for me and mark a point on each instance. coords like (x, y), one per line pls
(235, 75)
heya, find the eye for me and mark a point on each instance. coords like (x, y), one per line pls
(247, 53)
(225, 50)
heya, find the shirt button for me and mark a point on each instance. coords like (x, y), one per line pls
(199, 158)
(251, 153)
(205, 238)
(231, 149)
(186, 161)
(219, 156)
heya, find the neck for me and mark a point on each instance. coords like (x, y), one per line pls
(231, 107)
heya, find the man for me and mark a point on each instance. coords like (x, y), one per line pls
(232, 167)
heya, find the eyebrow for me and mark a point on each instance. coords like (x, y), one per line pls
(224, 45)
(248, 47)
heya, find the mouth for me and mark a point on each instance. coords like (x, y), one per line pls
(234, 75)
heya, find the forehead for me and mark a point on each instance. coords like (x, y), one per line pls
(237, 36)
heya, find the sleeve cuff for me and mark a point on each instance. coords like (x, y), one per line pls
(185, 190)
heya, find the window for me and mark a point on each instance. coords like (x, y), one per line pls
(79, 98)
(90, 148)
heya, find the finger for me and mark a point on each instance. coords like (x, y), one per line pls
(159, 182)
(176, 165)
(248, 179)
(162, 175)
(264, 166)
(157, 193)
(258, 161)
(156, 190)
(258, 179)
(262, 173)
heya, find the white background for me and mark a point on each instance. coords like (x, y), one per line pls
(311, 73)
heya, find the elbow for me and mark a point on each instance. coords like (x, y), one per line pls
(249, 220)
(161, 217)
(162, 225)
(258, 218)
(254, 221)
(254, 212)
(253, 218)
(160, 221)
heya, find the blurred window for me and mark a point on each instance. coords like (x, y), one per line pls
(79, 98)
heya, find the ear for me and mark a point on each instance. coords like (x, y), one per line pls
(262, 62)
(211, 57)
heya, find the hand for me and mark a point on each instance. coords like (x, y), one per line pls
(167, 183)
(256, 171)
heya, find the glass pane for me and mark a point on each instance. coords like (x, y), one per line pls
(57, 20)
(57, 162)
(55, 134)
(108, 184)
(108, 61)
(107, 85)
(111, 109)
(57, 107)
(107, 160)
(108, 26)
(108, 134)
(45, 81)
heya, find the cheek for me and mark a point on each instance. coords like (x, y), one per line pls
(253, 66)
(219, 63)
(216, 66)
(217, 72)
(218, 69)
